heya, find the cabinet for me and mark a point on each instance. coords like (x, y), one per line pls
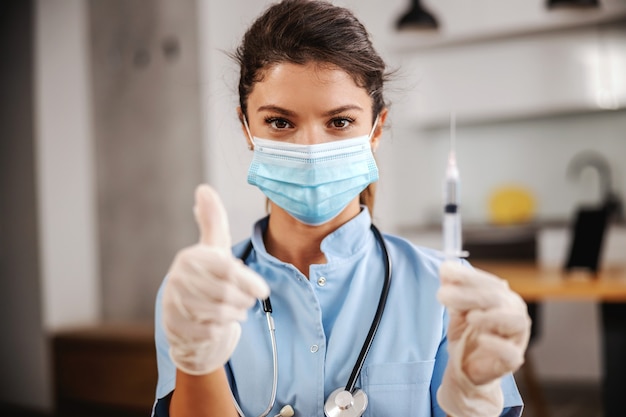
(106, 369)
(543, 69)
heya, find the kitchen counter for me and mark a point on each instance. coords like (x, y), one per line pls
(536, 283)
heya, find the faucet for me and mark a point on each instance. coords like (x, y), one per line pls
(612, 202)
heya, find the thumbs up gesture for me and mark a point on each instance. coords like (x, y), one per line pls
(207, 293)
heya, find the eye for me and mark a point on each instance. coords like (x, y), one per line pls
(278, 123)
(341, 122)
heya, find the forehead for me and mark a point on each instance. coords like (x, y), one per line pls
(311, 85)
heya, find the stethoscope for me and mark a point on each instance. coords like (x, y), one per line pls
(347, 401)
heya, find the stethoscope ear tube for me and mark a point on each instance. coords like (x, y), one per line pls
(377, 317)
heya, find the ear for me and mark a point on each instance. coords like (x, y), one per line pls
(243, 128)
(378, 132)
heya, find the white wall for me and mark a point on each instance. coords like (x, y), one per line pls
(501, 145)
(65, 168)
(147, 133)
(226, 154)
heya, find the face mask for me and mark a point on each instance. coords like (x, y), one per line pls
(313, 183)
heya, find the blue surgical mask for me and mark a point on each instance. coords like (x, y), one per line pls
(313, 183)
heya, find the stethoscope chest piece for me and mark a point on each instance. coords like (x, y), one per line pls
(342, 403)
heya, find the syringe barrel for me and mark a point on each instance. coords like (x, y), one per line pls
(451, 191)
(452, 237)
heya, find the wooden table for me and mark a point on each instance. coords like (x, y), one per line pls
(536, 283)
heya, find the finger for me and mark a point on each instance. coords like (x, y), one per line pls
(249, 281)
(194, 306)
(454, 273)
(191, 317)
(211, 218)
(190, 333)
(465, 299)
(457, 325)
(465, 288)
(210, 292)
(502, 322)
(220, 277)
(493, 358)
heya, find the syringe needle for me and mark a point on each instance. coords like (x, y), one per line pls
(452, 239)
(452, 132)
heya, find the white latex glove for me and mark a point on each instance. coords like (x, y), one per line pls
(208, 292)
(487, 338)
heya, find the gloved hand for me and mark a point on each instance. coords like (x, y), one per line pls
(487, 338)
(208, 292)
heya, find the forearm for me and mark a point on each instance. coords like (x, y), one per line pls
(203, 395)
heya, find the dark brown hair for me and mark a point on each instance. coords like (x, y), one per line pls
(304, 31)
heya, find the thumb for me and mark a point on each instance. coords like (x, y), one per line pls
(211, 218)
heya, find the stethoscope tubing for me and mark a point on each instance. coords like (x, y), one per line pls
(377, 316)
(272, 401)
(358, 366)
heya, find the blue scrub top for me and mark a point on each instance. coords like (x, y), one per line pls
(322, 322)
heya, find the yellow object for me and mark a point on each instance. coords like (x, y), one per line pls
(511, 204)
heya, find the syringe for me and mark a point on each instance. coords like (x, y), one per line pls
(452, 236)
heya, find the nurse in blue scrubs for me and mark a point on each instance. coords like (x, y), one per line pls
(312, 112)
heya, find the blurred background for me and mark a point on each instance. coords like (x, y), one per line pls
(112, 111)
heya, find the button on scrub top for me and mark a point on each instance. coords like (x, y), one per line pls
(322, 322)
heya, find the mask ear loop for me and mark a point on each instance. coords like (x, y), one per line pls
(373, 129)
(251, 147)
(245, 124)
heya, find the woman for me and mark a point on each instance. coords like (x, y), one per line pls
(312, 110)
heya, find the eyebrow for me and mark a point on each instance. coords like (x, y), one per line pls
(286, 112)
(276, 109)
(343, 109)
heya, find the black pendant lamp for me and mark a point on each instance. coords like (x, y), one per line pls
(417, 18)
(576, 4)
